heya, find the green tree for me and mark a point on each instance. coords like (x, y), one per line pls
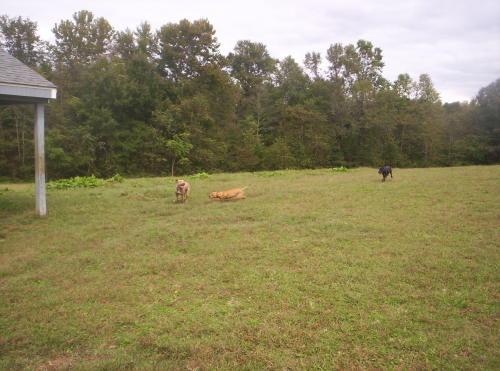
(405, 87)
(278, 155)
(20, 39)
(178, 148)
(312, 62)
(355, 76)
(252, 66)
(142, 101)
(83, 39)
(145, 40)
(124, 45)
(292, 84)
(245, 148)
(186, 48)
(486, 110)
(16, 141)
(425, 90)
(457, 138)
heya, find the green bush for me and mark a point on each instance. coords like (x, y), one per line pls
(269, 173)
(199, 176)
(117, 178)
(83, 182)
(339, 169)
(4, 190)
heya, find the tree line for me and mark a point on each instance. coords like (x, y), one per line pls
(160, 102)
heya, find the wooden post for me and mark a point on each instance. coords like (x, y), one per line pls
(41, 201)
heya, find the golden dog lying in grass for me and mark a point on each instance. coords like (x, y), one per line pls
(232, 194)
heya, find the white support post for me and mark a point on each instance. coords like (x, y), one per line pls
(41, 201)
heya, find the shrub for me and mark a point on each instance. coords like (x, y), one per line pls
(269, 173)
(6, 189)
(339, 169)
(117, 178)
(199, 176)
(83, 182)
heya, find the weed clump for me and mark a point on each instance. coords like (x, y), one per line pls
(199, 176)
(339, 169)
(6, 189)
(83, 182)
(269, 173)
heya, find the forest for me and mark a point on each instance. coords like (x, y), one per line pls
(148, 102)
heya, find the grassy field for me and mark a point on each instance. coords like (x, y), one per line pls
(314, 270)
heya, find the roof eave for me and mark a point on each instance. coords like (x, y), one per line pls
(28, 91)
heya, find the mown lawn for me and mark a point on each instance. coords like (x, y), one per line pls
(314, 270)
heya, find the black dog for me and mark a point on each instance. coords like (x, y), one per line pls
(385, 171)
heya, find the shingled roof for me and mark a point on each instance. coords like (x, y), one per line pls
(21, 84)
(13, 71)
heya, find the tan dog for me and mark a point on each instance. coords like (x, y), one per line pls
(182, 191)
(232, 194)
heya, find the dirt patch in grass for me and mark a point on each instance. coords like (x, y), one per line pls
(58, 363)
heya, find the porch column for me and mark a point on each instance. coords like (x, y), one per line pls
(41, 201)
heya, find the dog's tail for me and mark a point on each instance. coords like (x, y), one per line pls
(245, 187)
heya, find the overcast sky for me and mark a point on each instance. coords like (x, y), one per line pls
(456, 42)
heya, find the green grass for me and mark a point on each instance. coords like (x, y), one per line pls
(315, 270)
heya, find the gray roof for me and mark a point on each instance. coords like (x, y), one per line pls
(13, 71)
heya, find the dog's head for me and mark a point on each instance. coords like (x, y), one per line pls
(182, 184)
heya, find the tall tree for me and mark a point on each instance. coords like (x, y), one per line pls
(252, 66)
(458, 142)
(358, 68)
(355, 74)
(487, 120)
(291, 82)
(312, 62)
(405, 87)
(425, 89)
(82, 39)
(143, 101)
(145, 39)
(16, 141)
(124, 45)
(19, 37)
(178, 148)
(186, 48)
